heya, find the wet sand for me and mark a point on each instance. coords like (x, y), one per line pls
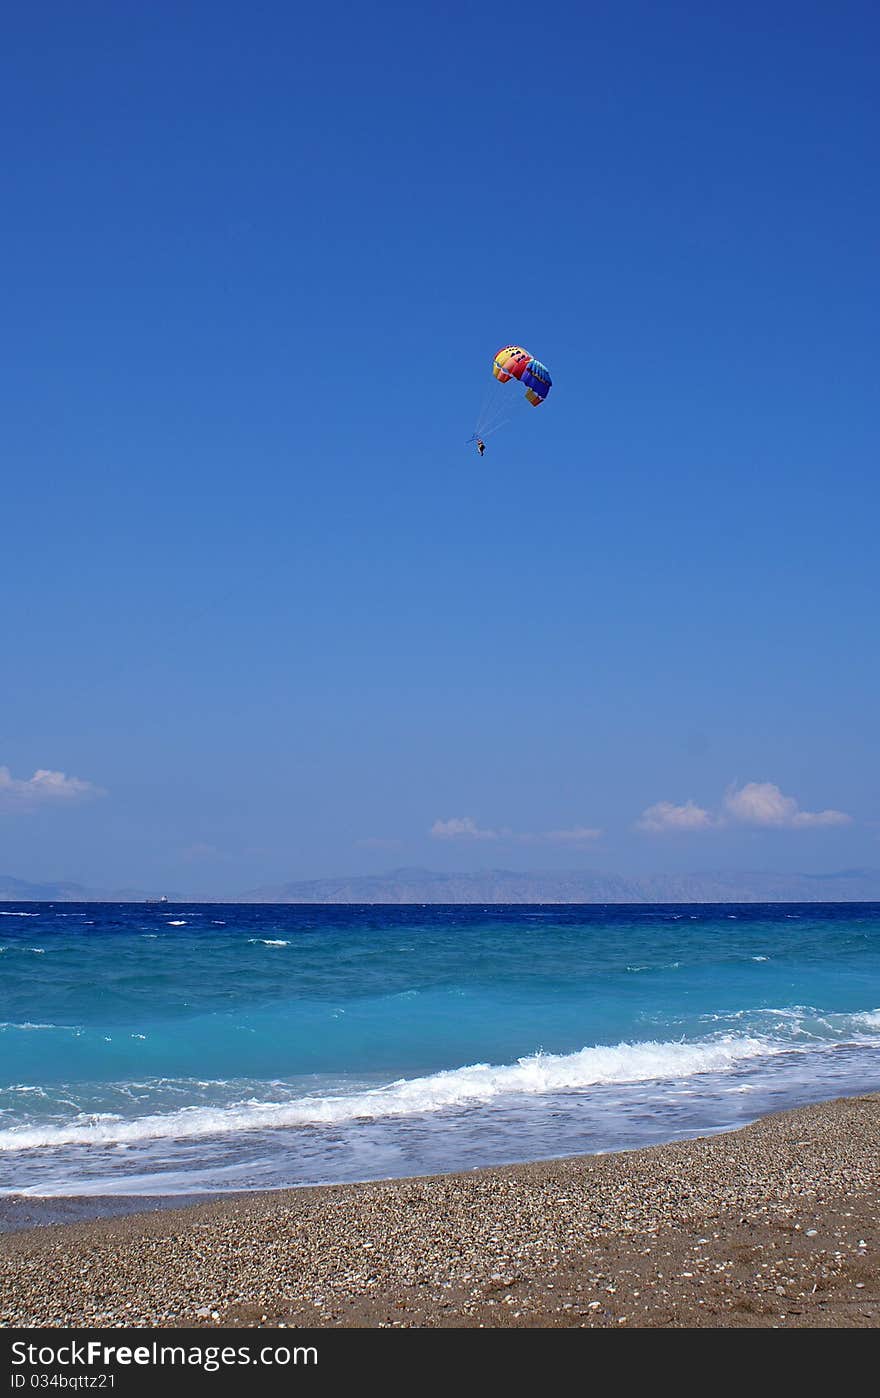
(777, 1224)
(18, 1211)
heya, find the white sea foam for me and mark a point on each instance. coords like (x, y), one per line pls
(178, 922)
(4, 913)
(476, 1084)
(268, 942)
(27, 1024)
(870, 1018)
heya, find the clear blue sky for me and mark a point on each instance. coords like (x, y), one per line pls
(257, 259)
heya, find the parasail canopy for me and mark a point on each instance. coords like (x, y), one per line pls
(514, 362)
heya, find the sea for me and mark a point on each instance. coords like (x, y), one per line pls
(187, 1049)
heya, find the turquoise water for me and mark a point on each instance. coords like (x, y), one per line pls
(156, 1049)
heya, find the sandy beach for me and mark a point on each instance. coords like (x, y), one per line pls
(772, 1225)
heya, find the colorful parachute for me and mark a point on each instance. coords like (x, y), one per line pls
(514, 362)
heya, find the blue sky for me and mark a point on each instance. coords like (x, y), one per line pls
(260, 597)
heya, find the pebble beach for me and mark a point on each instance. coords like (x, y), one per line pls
(773, 1225)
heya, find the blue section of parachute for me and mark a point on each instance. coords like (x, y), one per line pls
(537, 375)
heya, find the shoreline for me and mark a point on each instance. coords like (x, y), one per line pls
(774, 1224)
(21, 1212)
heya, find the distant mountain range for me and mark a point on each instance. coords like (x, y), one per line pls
(20, 891)
(503, 886)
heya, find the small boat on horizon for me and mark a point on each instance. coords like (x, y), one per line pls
(163, 899)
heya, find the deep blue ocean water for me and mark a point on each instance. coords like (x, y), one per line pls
(153, 1049)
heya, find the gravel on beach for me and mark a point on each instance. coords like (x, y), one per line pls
(777, 1224)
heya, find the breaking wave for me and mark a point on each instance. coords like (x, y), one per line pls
(476, 1084)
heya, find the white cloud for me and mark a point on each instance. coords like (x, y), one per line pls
(466, 828)
(461, 828)
(45, 787)
(664, 816)
(762, 803)
(756, 803)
